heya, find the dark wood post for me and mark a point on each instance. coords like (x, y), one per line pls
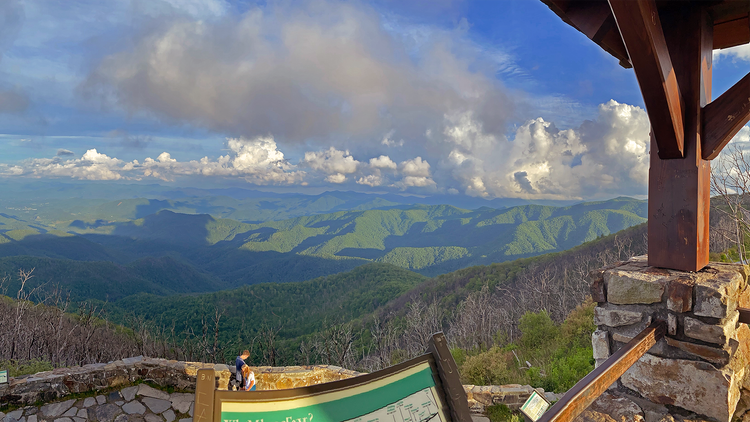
(679, 189)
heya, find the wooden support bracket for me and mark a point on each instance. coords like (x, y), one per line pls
(724, 117)
(641, 31)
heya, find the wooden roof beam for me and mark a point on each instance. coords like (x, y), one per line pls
(642, 34)
(594, 19)
(724, 117)
(732, 33)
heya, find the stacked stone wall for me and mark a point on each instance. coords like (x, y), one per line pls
(119, 398)
(52, 385)
(700, 365)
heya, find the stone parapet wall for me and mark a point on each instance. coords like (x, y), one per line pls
(511, 395)
(282, 377)
(700, 365)
(52, 385)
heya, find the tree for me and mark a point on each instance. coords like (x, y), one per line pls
(730, 180)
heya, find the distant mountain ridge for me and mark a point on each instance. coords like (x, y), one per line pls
(226, 253)
(110, 201)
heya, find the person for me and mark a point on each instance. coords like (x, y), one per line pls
(249, 377)
(239, 363)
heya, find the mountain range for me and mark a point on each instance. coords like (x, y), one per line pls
(168, 252)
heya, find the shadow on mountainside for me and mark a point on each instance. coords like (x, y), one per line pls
(169, 227)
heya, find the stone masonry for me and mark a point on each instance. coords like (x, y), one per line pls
(700, 367)
(61, 382)
(114, 398)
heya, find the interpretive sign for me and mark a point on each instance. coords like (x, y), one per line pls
(413, 391)
(4, 376)
(535, 406)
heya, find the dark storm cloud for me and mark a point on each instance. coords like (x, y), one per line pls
(326, 71)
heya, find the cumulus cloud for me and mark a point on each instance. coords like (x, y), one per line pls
(91, 166)
(371, 180)
(415, 167)
(256, 160)
(64, 152)
(383, 162)
(741, 52)
(320, 70)
(416, 173)
(336, 178)
(331, 161)
(598, 158)
(416, 181)
(605, 156)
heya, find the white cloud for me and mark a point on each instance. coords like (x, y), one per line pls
(415, 167)
(371, 180)
(312, 71)
(383, 162)
(336, 178)
(331, 161)
(602, 157)
(256, 160)
(416, 181)
(387, 141)
(91, 166)
(741, 52)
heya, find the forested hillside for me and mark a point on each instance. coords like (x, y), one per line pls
(209, 253)
(478, 307)
(373, 316)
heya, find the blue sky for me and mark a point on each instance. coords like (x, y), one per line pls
(480, 98)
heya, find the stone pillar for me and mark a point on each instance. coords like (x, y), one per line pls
(701, 364)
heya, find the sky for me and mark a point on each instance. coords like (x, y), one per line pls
(490, 99)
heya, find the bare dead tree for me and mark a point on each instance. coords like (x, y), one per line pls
(267, 339)
(305, 352)
(334, 345)
(22, 304)
(478, 321)
(730, 180)
(422, 321)
(216, 350)
(385, 336)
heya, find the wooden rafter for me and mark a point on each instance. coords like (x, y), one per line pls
(732, 33)
(641, 31)
(724, 117)
(594, 19)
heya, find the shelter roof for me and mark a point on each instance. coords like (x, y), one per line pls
(594, 19)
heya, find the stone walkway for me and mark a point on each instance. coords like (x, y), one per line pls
(140, 403)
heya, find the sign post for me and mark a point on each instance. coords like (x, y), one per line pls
(4, 376)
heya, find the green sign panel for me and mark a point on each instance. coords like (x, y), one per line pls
(424, 389)
(535, 406)
(4, 376)
(409, 396)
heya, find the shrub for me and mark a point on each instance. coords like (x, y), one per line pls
(16, 368)
(502, 413)
(493, 367)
